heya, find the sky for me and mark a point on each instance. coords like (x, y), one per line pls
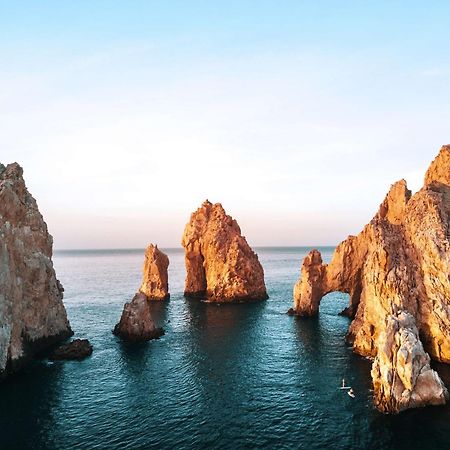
(296, 115)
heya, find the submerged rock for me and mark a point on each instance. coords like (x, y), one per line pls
(399, 262)
(155, 285)
(136, 323)
(220, 264)
(401, 372)
(32, 314)
(78, 349)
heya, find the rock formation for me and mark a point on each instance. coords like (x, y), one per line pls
(155, 284)
(399, 262)
(401, 372)
(136, 323)
(220, 264)
(78, 349)
(32, 314)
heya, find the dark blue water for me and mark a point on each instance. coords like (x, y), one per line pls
(230, 376)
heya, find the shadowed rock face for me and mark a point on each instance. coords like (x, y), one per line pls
(399, 262)
(32, 314)
(220, 264)
(155, 285)
(136, 323)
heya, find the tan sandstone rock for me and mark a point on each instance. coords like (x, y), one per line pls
(32, 314)
(155, 285)
(136, 323)
(399, 261)
(220, 264)
(401, 372)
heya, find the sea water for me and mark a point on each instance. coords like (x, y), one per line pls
(223, 376)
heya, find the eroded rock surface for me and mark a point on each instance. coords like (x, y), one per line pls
(220, 264)
(136, 323)
(155, 285)
(32, 314)
(399, 262)
(401, 372)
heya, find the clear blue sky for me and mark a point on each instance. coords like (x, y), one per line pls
(296, 115)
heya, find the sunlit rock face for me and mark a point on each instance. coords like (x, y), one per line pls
(401, 372)
(399, 262)
(136, 323)
(32, 314)
(155, 284)
(220, 264)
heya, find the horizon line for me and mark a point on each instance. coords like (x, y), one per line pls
(181, 248)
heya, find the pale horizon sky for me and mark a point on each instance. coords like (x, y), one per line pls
(296, 115)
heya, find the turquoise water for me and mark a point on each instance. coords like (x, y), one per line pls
(229, 377)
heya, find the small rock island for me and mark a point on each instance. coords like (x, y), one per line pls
(78, 349)
(136, 323)
(397, 273)
(32, 313)
(220, 265)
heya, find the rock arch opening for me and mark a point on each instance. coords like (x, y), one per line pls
(335, 303)
(318, 280)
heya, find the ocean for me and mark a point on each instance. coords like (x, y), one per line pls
(223, 376)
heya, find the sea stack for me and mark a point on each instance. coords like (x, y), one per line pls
(397, 267)
(136, 323)
(155, 285)
(220, 265)
(32, 313)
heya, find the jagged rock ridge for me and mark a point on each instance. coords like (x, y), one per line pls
(220, 264)
(399, 262)
(32, 314)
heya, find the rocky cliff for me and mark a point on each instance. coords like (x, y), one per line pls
(399, 262)
(155, 285)
(32, 314)
(220, 264)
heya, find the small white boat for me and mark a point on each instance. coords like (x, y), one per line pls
(350, 393)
